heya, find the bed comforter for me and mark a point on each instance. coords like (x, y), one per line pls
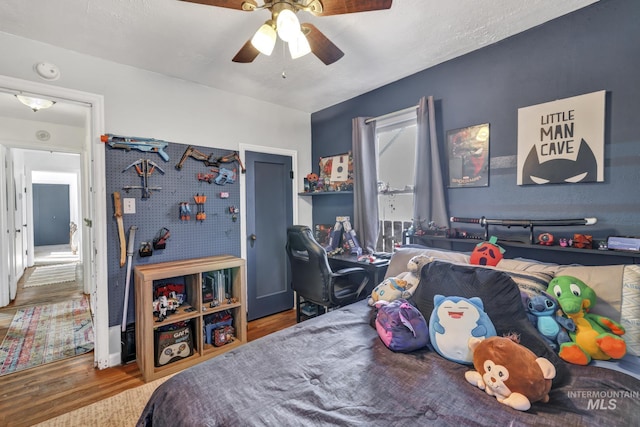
(334, 370)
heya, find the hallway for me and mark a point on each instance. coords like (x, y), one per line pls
(46, 294)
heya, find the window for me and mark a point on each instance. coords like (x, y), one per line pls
(396, 139)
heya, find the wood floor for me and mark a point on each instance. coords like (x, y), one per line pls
(41, 393)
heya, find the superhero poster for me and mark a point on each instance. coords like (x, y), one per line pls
(562, 141)
(468, 154)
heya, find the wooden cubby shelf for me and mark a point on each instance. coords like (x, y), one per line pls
(193, 310)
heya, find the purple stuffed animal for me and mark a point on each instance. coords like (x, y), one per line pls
(401, 326)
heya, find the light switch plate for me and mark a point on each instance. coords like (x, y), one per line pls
(129, 205)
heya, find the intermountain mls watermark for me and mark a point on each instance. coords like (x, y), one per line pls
(603, 399)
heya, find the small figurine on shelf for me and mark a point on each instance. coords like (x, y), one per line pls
(163, 304)
(312, 181)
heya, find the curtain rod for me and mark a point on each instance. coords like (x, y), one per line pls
(395, 113)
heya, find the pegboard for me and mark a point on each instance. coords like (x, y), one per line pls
(218, 234)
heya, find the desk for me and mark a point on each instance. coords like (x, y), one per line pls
(376, 272)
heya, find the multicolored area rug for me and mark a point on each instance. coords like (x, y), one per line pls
(51, 274)
(46, 333)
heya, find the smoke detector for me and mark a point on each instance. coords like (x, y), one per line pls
(47, 71)
(43, 135)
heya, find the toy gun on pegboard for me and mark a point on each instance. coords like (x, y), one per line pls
(209, 160)
(136, 143)
(526, 223)
(225, 176)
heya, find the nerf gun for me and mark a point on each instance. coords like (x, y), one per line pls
(135, 143)
(224, 176)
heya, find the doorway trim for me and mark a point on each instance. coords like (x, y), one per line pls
(96, 193)
(242, 149)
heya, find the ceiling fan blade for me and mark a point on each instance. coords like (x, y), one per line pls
(339, 7)
(246, 54)
(247, 5)
(320, 45)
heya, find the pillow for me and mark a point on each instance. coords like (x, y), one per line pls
(502, 303)
(630, 312)
(403, 254)
(605, 280)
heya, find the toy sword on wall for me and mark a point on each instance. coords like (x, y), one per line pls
(117, 208)
(526, 223)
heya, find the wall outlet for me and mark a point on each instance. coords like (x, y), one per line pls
(129, 206)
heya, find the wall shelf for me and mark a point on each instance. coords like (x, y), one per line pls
(544, 253)
(323, 193)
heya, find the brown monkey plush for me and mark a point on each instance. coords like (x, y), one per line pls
(510, 372)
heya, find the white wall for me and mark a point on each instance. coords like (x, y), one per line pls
(142, 103)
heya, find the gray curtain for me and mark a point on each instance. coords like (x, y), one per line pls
(365, 183)
(429, 193)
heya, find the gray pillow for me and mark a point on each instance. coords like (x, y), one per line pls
(501, 298)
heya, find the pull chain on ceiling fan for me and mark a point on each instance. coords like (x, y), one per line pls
(301, 38)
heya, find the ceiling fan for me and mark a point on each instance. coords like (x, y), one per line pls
(301, 38)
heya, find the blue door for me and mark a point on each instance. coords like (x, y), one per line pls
(269, 213)
(50, 214)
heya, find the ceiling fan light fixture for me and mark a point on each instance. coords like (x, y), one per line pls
(287, 25)
(264, 39)
(35, 104)
(299, 46)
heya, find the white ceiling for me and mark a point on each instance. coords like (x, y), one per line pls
(196, 42)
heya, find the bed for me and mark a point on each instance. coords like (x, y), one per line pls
(334, 370)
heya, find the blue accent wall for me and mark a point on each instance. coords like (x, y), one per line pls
(592, 49)
(218, 234)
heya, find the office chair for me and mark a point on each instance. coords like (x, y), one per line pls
(312, 278)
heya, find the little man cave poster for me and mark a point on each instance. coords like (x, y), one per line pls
(562, 141)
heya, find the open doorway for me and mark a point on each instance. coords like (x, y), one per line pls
(53, 137)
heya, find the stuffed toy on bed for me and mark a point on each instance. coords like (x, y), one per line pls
(543, 312)
(401, 286)
(454, 320)
(596, 337)
(401, 326)
(510, 372)
(487, 253)
(414, 268)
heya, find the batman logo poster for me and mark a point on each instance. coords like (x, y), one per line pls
(562, 141)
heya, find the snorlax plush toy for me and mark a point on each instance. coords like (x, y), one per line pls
(454, 320)
(595, 337)
(543, 309)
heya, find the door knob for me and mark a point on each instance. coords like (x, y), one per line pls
(253, 238)
(18, 230)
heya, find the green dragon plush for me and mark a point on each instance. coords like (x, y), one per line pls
(595, 337)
